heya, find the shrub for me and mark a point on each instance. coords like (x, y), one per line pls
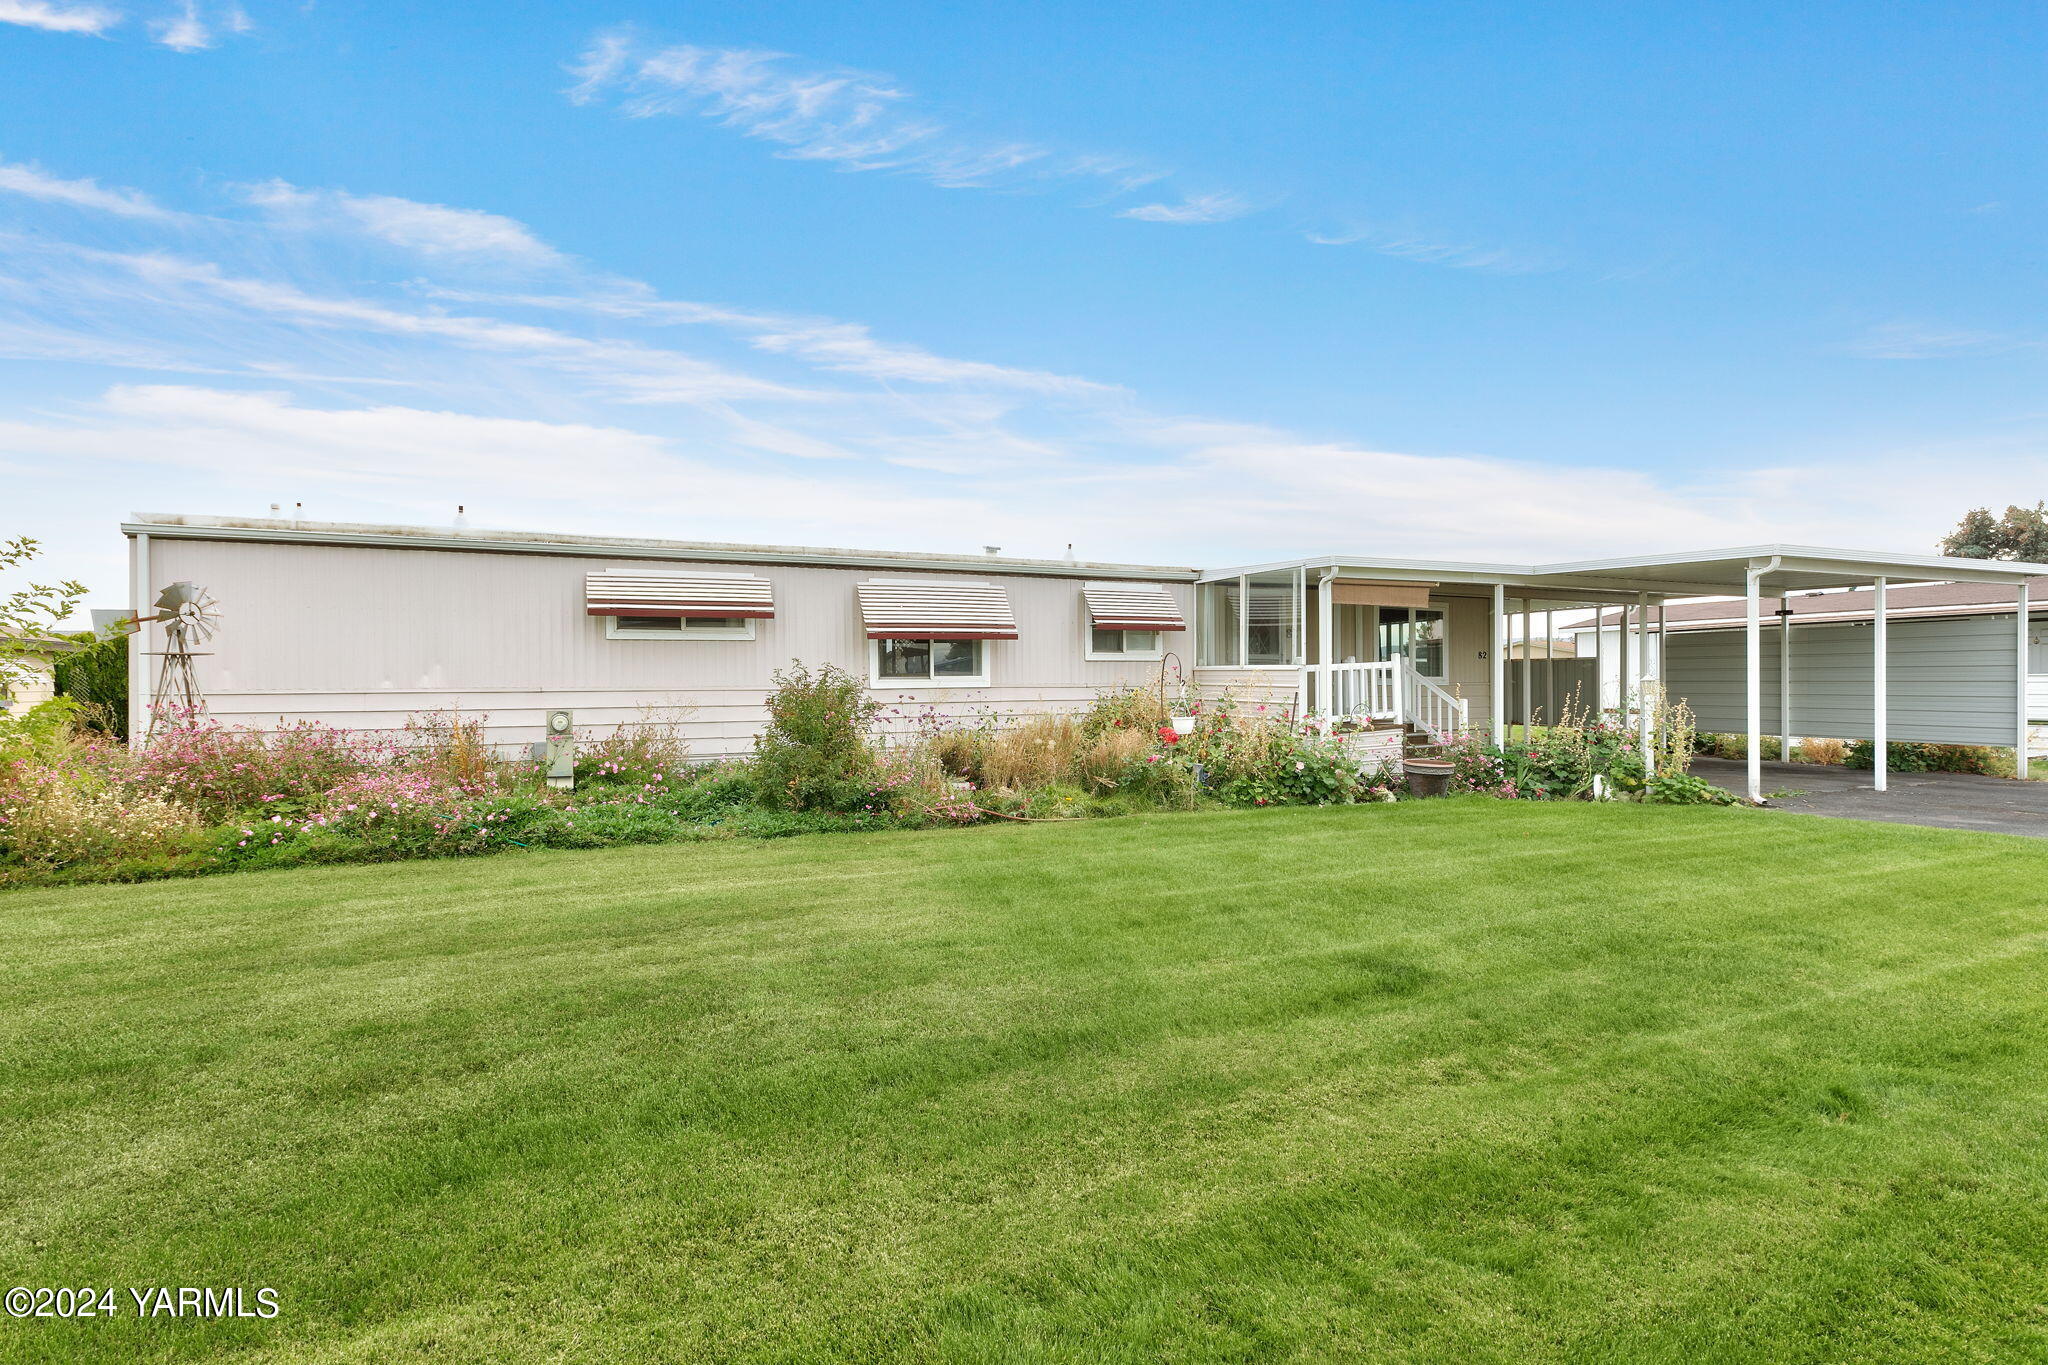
(1125, 707)
(96, 677)
(1831, 751)
(651, 751)
(217, 770)
(1905, 757)
(1037, 753)
(1683, 789)
(453, 750)
(814, 753)
(1736, 746)
(52, 818)
(1104, 762)
(37, 738)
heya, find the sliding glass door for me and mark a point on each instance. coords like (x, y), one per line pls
(1415, 634)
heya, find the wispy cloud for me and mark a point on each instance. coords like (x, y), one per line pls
(36, 183)
(853, 120)
(188, 28)
(826, 343)
(863, 121)
(434, 230)
(1194, 208)
(1924, 341)
(1429, 250)
(58, 18)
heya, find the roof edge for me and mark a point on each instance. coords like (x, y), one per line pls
(182, 526)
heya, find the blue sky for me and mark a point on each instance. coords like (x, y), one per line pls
(1194, 283)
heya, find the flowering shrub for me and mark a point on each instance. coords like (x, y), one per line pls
(51, 818)
(647, 753)
(216, 770)
(814, 754)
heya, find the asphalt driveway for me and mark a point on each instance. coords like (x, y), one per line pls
(1945, 800)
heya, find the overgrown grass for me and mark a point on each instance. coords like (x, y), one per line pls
(1459, 1080)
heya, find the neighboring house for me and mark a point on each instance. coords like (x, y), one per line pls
(1559, 647)
(1913, 602)
(29, 679)
(365, 626)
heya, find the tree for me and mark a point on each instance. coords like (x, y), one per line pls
(2022, 534)
(29, 615)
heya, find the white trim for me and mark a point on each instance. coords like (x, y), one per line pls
(1143, 656)
(743, 631)
(881, 684)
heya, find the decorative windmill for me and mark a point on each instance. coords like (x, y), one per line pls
(189, 615)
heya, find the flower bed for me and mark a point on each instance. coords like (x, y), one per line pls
(207, 798)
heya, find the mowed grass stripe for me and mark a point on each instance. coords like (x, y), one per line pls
(1444, 1080)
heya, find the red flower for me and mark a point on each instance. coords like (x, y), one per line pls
(1168, 735)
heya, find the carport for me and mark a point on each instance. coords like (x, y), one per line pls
(1943, 681)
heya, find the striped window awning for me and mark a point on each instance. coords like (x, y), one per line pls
(903, 610)
(635, 593)
(1132, 606)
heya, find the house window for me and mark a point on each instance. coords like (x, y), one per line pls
(678, 628)
(929, 663)
(1123, 644)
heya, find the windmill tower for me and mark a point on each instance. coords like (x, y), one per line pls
(189, 615)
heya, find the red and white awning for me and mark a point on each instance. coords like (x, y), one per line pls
(1132, 606)
(614, 593)
(901, 610)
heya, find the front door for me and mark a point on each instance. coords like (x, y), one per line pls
(1415, 634)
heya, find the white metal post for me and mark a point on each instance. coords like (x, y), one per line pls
(1879, 686)
(1663, 648)
(1621, 671)
(1784, 679)
(1600, 661)
(2019, 756)
(1528, 674)
(1500, 663)
(1550, 658)
(1754, 685)
(1326, 644)
(1644, 720)
(138, 643)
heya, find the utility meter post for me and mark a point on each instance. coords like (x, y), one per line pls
(561, 749)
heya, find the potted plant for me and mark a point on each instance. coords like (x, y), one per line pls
(1428, 776)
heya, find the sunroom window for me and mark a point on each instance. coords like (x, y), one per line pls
(1253, 620)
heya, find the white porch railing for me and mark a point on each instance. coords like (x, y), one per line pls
(1430, 707)
(1358, 690)
(1391, 690)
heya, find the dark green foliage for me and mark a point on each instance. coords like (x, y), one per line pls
(814, 753)
(96, 677)
(1903, 757)
(2022, 534)
(1683, 789)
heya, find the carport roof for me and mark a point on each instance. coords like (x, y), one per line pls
(1698, 573)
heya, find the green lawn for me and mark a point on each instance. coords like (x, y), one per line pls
(1448, 1081)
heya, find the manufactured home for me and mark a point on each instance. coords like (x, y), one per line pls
(364, 626)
